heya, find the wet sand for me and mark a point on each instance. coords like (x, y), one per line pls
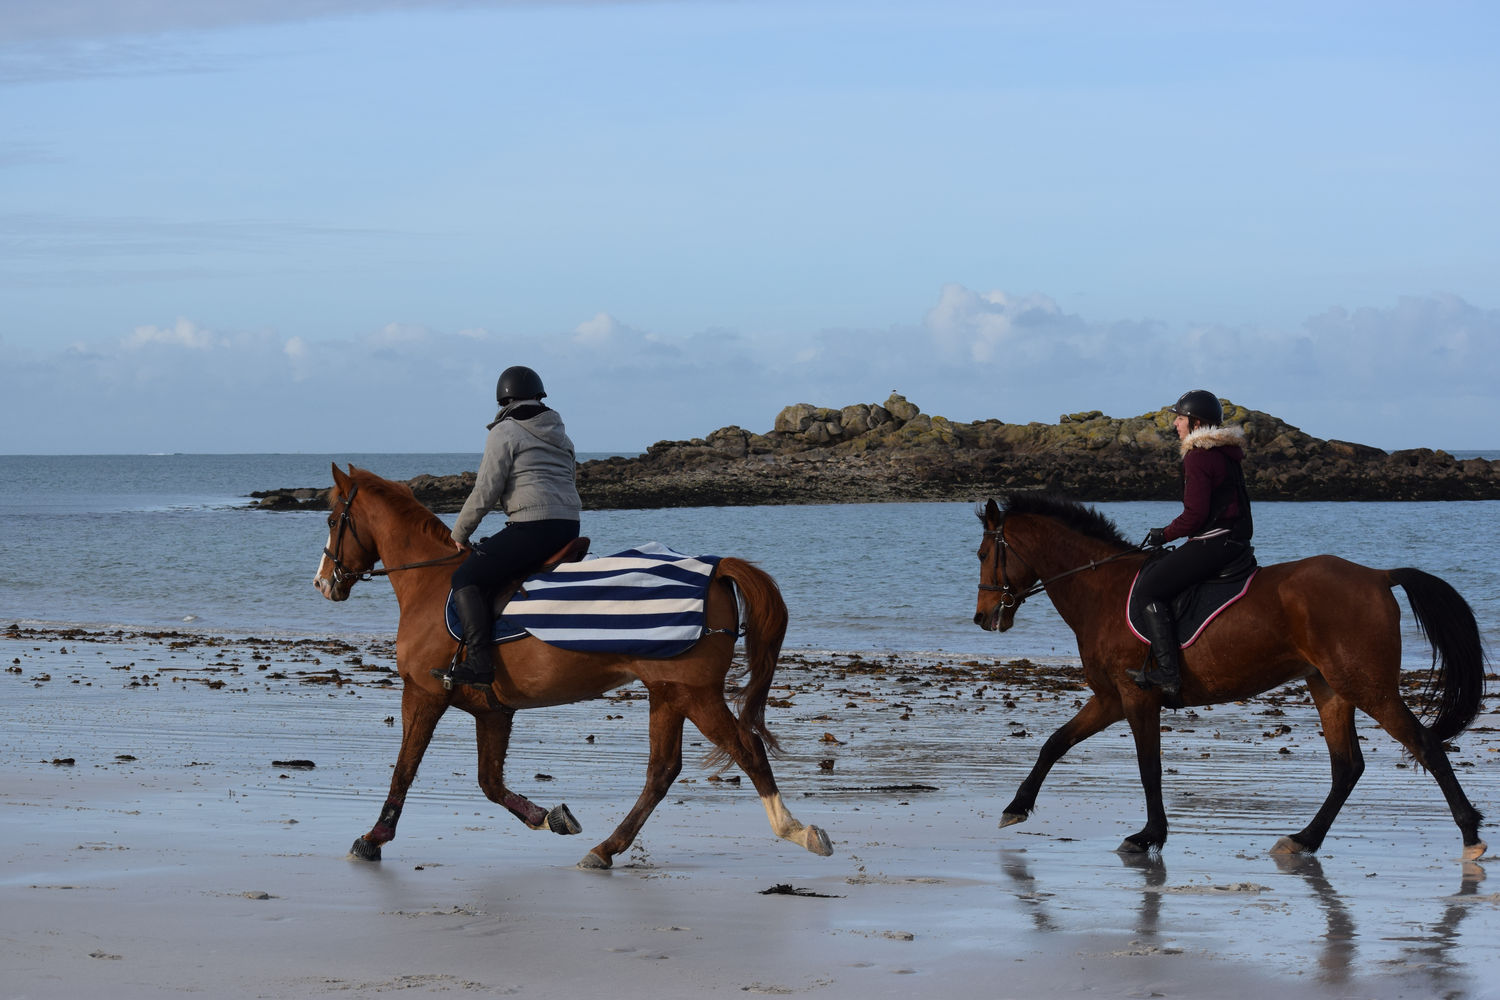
(154, 845)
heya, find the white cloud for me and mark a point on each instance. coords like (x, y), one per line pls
(401, 333)
(988, 326)
(1417, 372)
(184, 333)
(601, 329)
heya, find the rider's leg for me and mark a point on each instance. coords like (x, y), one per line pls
(477, 617)
(1161, 629)
(515, 551)
(1162, 579)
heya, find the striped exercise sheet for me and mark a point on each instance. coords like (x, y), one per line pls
(645, 601)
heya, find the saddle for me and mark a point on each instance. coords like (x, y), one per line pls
(1194, 608)
(574, 551)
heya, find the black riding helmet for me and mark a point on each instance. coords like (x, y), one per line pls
(518, 382)
(1200, 404)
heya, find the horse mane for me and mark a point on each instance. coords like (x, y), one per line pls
(1084, 520)
(402, 501)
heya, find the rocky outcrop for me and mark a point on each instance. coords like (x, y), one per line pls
(894, 451)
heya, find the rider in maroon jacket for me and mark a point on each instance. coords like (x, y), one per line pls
(1215, 520)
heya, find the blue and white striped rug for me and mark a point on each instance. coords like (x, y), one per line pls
(646, 601)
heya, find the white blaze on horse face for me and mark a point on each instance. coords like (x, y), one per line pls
(323, 578)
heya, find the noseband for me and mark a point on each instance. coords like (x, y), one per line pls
(342, 573)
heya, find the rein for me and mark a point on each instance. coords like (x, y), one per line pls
(1009, 598)
(342, 573)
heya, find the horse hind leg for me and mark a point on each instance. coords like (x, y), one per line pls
(662, 768)
(1427, 750)
(492, 733)
(1345, 760)
(748, 751)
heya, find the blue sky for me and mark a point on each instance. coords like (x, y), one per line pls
(326, 226)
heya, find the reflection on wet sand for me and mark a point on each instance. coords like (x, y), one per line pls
(1339, 947)
(1432, 959)
(1154, 869)
(1434, 952)
(1034, 900)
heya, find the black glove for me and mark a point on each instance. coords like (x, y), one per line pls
(1155, 538)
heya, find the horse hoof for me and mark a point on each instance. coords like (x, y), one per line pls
(593, 862)
(560, 820)
(818, 842)
(1128, 846)
(1286, 845)
(364, 850)
(1011, 819)
(1475, 851)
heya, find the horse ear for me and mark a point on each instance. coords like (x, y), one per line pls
(991, 512)
(339, 479)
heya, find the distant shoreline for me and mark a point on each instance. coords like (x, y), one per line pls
(892, 452)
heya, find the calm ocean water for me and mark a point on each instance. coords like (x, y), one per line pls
(168, 542)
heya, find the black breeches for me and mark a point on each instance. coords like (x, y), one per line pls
(1165, 577)
(518, 549)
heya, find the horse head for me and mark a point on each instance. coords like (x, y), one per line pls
(1003, 581)
(346, 555)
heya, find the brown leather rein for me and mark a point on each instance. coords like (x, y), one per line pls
(1008, 596)
(342, 573)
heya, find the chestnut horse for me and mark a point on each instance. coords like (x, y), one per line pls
(1328, 622)
(372, 520)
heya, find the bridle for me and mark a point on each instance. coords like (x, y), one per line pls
(342, 573)
(1008, 596)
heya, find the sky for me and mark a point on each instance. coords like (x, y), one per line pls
(327, 225)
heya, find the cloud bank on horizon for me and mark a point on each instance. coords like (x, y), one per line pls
(974, 356)
(326, 226)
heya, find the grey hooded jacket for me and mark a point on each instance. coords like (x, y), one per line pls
(528, 471)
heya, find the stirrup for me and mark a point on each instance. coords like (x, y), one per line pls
(459, 674)
(1147, 678)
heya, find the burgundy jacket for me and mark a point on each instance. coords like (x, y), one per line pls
(1211, 458)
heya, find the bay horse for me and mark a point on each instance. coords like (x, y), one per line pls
(373, 520)
(1324, 620)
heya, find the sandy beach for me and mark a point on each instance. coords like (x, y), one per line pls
(177, 810)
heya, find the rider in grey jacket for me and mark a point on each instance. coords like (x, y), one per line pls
(528, 473)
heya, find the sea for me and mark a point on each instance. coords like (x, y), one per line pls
(173, 542)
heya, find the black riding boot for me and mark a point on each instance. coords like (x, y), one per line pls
(477, 616)
(1162, 631)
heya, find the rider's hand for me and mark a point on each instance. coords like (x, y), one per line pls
(1155, 538)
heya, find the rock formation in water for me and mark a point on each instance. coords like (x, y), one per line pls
(894, 451)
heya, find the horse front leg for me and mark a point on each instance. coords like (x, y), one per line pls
(420, 712)
(1345, 759)
(663, 767)
(1093, 717)
(1144, 716)
(492, 734)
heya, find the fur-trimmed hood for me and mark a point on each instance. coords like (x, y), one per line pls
(1214, 436)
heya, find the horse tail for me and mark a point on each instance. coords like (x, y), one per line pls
(1456, 685)
(764, 619)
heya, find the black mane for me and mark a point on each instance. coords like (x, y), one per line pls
(1084, 520)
